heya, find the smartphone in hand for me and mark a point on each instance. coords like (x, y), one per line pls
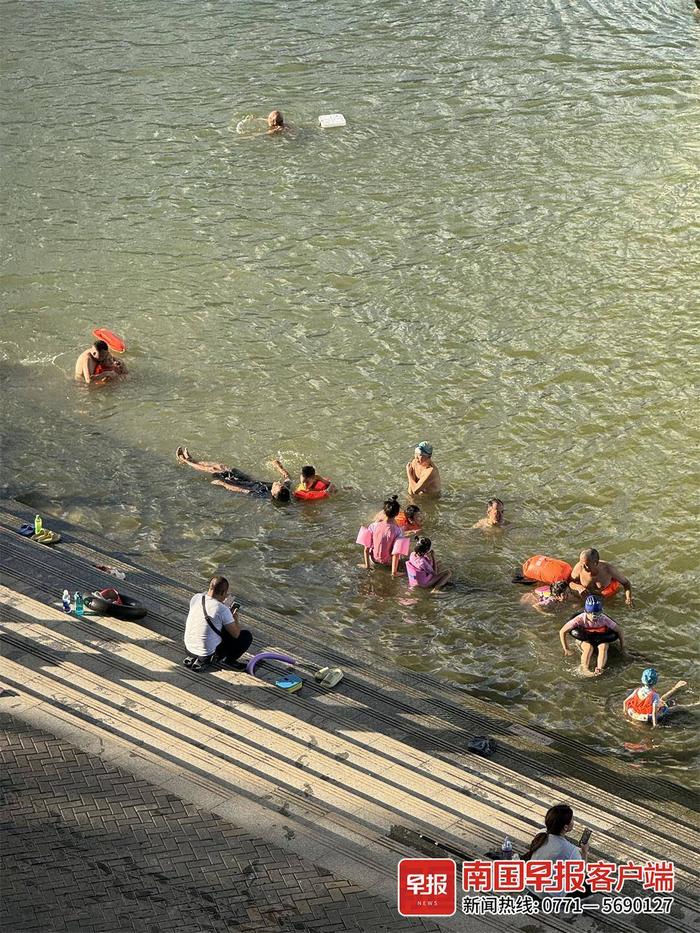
(585, 836)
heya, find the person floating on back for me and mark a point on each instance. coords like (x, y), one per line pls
(423, 475)
(380, 538)
(422, 567)
(595, 631)
(96, 364)
(645, 705)
(597, 577)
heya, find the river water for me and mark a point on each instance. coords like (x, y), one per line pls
(496, 254)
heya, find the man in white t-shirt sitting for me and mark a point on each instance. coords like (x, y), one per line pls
(212, 632)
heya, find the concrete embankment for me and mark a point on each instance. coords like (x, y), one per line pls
(352, 779)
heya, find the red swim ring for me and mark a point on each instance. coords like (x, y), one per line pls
(116, 344)
(318, 491)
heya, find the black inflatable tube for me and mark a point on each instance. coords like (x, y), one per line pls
(600, 637)
(130, 610)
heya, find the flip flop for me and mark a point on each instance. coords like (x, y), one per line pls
(319, 675)
(47, 537)
(332, 678)
(27, 530)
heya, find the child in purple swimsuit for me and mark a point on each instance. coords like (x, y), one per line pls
(422, 568)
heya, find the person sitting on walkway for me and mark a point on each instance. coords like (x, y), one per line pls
(422, 567)
(237, 481)
(423, 475)
(212, 632)
(645, 705)
(384, 534)
(595, 631)
(551, 846)
(96, 364)
(594, 576)
(494, 515)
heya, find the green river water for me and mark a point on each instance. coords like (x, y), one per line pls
(498, 253)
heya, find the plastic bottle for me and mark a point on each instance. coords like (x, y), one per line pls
(38, 527)
(79, 605)
(66, 601)
(507, 849)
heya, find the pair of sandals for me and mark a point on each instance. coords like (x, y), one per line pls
(44, 537)
(328, 676)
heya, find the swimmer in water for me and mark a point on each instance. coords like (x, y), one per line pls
(595, 631)
(594, 576)
(385, 533)
(423, 475)
(96, 364)
(547, 597)
(422, 567)
(275, 122)
(237, 481)
(494, 517)
(409, 519)
(645, 705)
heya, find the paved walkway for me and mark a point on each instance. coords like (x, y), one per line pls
(90, 848)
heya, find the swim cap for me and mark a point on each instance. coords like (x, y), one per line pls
(425, 448)
(649, 677)
(593, 604)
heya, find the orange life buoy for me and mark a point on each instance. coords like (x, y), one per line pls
(546, 569)
(611, 588)
(319, 490)
(114, 343)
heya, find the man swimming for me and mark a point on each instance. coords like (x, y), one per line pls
(96, 364)
(494, 517)
(275, 122)
(423, 475)
(237, 481)
(598, 577)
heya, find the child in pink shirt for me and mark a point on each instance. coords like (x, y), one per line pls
(422, 568)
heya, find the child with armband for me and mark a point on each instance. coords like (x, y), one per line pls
(645, 705)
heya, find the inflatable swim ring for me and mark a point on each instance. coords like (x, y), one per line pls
(127, 608)
(116, 344)
(319, 491)
(267, 656)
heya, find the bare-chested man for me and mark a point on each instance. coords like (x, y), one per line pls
(597, 577)
(423, 475)
(494, 517)
(96, 364)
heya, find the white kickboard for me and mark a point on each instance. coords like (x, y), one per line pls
(329, 120)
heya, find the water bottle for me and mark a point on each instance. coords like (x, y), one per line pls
(79, 605)
(507, 849)
(66, 601)
(37, 525)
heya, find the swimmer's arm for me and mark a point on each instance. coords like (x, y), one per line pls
(575, 580)
(654, 709)
(277, 464)
(678, 686)
(423, 480)
(563, 633)
(232, 487)
(87, 373)
(625, 583)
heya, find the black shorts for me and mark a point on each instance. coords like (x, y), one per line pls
(257, 487)
(594, 638)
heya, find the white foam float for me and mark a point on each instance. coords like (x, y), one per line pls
(330, 120)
